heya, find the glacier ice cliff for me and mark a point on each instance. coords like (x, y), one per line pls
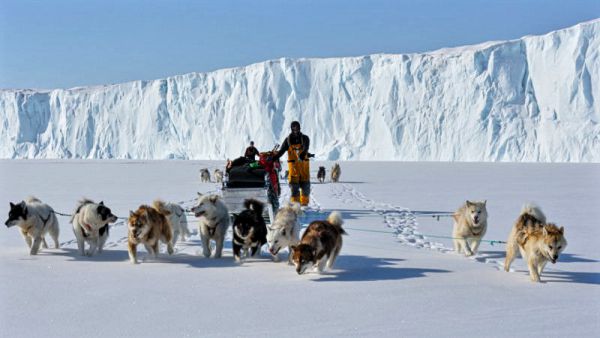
(530, 99)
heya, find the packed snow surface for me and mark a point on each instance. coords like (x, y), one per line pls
(394, 276)
(530, 99)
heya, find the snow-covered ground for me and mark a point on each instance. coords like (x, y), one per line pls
(382, 285)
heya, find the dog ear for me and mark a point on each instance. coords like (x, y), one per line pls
(561, 230)
(484, 202)
(214, 198)
(12, 205)
(545, 231)
(24, 207)
(199, 194)
(101, 203)
(283, 232)
(294, 247)
(468, 203)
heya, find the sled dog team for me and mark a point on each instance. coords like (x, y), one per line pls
(164, 222)
(537, 241)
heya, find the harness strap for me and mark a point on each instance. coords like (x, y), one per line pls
(47, 219)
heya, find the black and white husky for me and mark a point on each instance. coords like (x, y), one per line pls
(249, 230)
(90, 224)
(35, 219)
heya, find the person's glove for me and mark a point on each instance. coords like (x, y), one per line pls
(303, 155)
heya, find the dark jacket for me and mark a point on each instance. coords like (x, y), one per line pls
(295, 139)
(250, 152)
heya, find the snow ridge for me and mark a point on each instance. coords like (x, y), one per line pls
(531, 99)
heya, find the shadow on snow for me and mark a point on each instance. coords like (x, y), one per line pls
(351, 268)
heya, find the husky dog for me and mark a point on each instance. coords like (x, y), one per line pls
(90, 224)
(218, 175)
(285, 230)
(336, 171)
(214, 221)
(321, 174)
(470, 225)
(177, 219)
(249, 229)
(204, 175)
(147, 226)
(537, 241)
(320, 243)
(35, 219)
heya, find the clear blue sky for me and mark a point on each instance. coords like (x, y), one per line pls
(67, 43)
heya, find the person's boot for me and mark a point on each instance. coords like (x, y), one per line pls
(295, 199)
(304, 200)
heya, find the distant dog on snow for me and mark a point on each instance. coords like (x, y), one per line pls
(470, 225)
(218, 175)
(249, 229)
(537, 241)
(285, 230)
(90, 224)
(321, 174)
(35, 219)
(177, 219)
(336, 172)
(214, 221)
(147, 226)
(204, 175)
(321, 243)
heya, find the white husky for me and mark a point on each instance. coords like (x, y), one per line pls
(35, 219)
(90, 224)
(177, 218)
(285, 230)
(470, 225)
(214, 221)
(218, 175)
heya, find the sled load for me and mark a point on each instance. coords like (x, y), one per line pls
(258, 180)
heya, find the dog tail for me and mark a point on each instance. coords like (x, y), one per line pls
(534, 211)
(335, 219)
(80, 204)
(255, 205)
(32, 199)
(295, 206)
(161, 207)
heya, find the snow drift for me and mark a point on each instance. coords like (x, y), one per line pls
(531, 99)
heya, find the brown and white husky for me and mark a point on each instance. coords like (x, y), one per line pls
(537, 241)
(148, 225)
(320, 244)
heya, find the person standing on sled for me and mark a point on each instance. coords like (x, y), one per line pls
(296, 144)
(251, 152)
